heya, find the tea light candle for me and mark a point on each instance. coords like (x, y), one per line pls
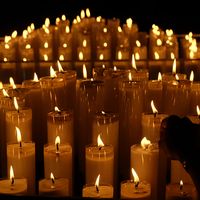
(21, 118)
(54, 186)
(99, 160)
(97, 190)
(135, 189)
(13, 186)
(58, 159)
(21, 156)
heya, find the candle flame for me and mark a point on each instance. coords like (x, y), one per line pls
(56, 109)
(57, 140)
(129, 22)
(52, 72)
(177, 77)
(28, 46)
(159, 76)
(64, 45)
(11, 175)
(80, 55)
(82, 14)
(97, 183)
(105, 44)
(174, 66)
(99, 141)
(78, 19)
(137, 56)
(47, 22)
(84, 43)
(87, 12)
(18, 132)
(15, 103)
(119, 29)
(192, 76)
(129, 76)
(155, 111)
(52, 178)
(32, 26)
(5, 94)
(181, 184)
(172, 55)
(101, 57)
(98, 19)
(24, 59)
(46, 45)
(57, 20)
(61, 57)
(14, 34)
(145, 143)
(7, 38)
(60, 69)
(1, 85)
(25, 34)
(138, 44)
(115, 68)
(12, 83)
(45, 57)
(7, 46)
(133, 62)
(67, 29)
(74, 21)
(169, 32)
(5, 59)
(119, 55)
(84, 71)
(198, 110)
(105, 30)
(35, 77)
(135, 176)
(156, 55)
(158, 42)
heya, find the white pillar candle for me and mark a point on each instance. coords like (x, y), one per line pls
(54, 187)
(99, 160)
(58, 160)
(144, 159)
(60, 123)
(21, 118)
(13, 186)
(22, 158)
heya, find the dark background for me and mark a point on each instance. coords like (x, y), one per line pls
(181, 16)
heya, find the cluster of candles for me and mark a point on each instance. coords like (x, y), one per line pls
(94, 132)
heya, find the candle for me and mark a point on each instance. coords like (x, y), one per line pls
(54, 186)
(85, 49)
(135, 189)
(21, 118)
(58, 159)
(13, 186)
(151, 124)
(97, 190)
(21, 156)
(195, 118)
(180, 191)
(195, 97)
(65, 52)
(60, 123)
(99, 160)
(140, 51)
(145, 160)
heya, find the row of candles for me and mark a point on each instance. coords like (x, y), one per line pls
(113, 107)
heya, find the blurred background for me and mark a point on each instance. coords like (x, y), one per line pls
(182, 17)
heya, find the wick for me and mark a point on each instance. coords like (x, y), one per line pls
(181, 187)
(53, 181)
(12, 181)
(97, 188)
(18, 111)
(100, 148)
(20, 144)
(57, 149)
(154, 114)
(136, 185)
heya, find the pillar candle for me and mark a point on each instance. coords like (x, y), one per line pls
(144, 159)
(66, 52)
(99, 160)
(195, 97)
(58, 160)
(57, 187)
(22, 158)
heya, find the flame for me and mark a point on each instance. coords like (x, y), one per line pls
(52, 72)
(67, 29)
(181, 184)
(129, 22)
(47, 22)
(159, 76)
(74, 21)
(60, 69)
(35, 77)
(103, 66)
(63, 17)
(56, 109)
(5, 94)
(1, 85)
(101, 57)
(172, 55)
(7, 38)
(65, 45)
(145, 143)
(14, 34)
(25, 34)
(133, 62)
(191, 54)
(156, 55)
(7, 46)
(45, 57)
(138, 44)
(119, 55)
(158, 42)
(84, 71)
(52, 177)
(97, 181)
(84, 43)
(82, 14)
(105, 44)
(87, 12)
(32, 26)
(57, 20)
(169, 32)
(15, 103)
(5, 59)
(155, 111)
(137, 56)
(78, 19)
(135, 176)
(46, 45)
(105, 30)
(12, 83)
(192, 76)
(18, 132)
(24, 59)
(198, 110)
(28, 46)
(57, 140)
(129, 76)
(11, 174)
(98, 19)
(99, 141)
(174, 66)
(61, 57)
(115, 68)
(177, 77)
(80, 55)
(119, 29)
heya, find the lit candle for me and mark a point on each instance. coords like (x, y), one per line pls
(195, 118)
(58, 159)
(21, 118)
(97, 190)
(21, 156)
(13, 186)
(85, 49)
(135, 189)
(140, 51)
(99, 160)
(54, 186)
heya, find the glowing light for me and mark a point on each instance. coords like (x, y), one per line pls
(80, 55)
(174, 66)
(145, 143)
(192, 76)
(82, 14)
(156, 55)
(155, 111)
(84, 72)
(61, 57)
(67, 29)
(87, 12)
(52, 72)
(28, 46)
(60, 69)
(35, 77)
(99, 141)
(138, 44)
(133, 63)
(12, 83)
(159, 77)
(129, 22)
(14, 34)
(119, 55)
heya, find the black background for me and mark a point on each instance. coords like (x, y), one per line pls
(181, 16)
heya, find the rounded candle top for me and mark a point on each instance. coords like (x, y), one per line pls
(152, 148)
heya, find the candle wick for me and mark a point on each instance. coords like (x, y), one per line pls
(53, 181)
(20, 144)
(18, 111)
(100, 148)
(97, 188)
(136, 184)
(57, 147)
(12, 181)
(154, 114)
